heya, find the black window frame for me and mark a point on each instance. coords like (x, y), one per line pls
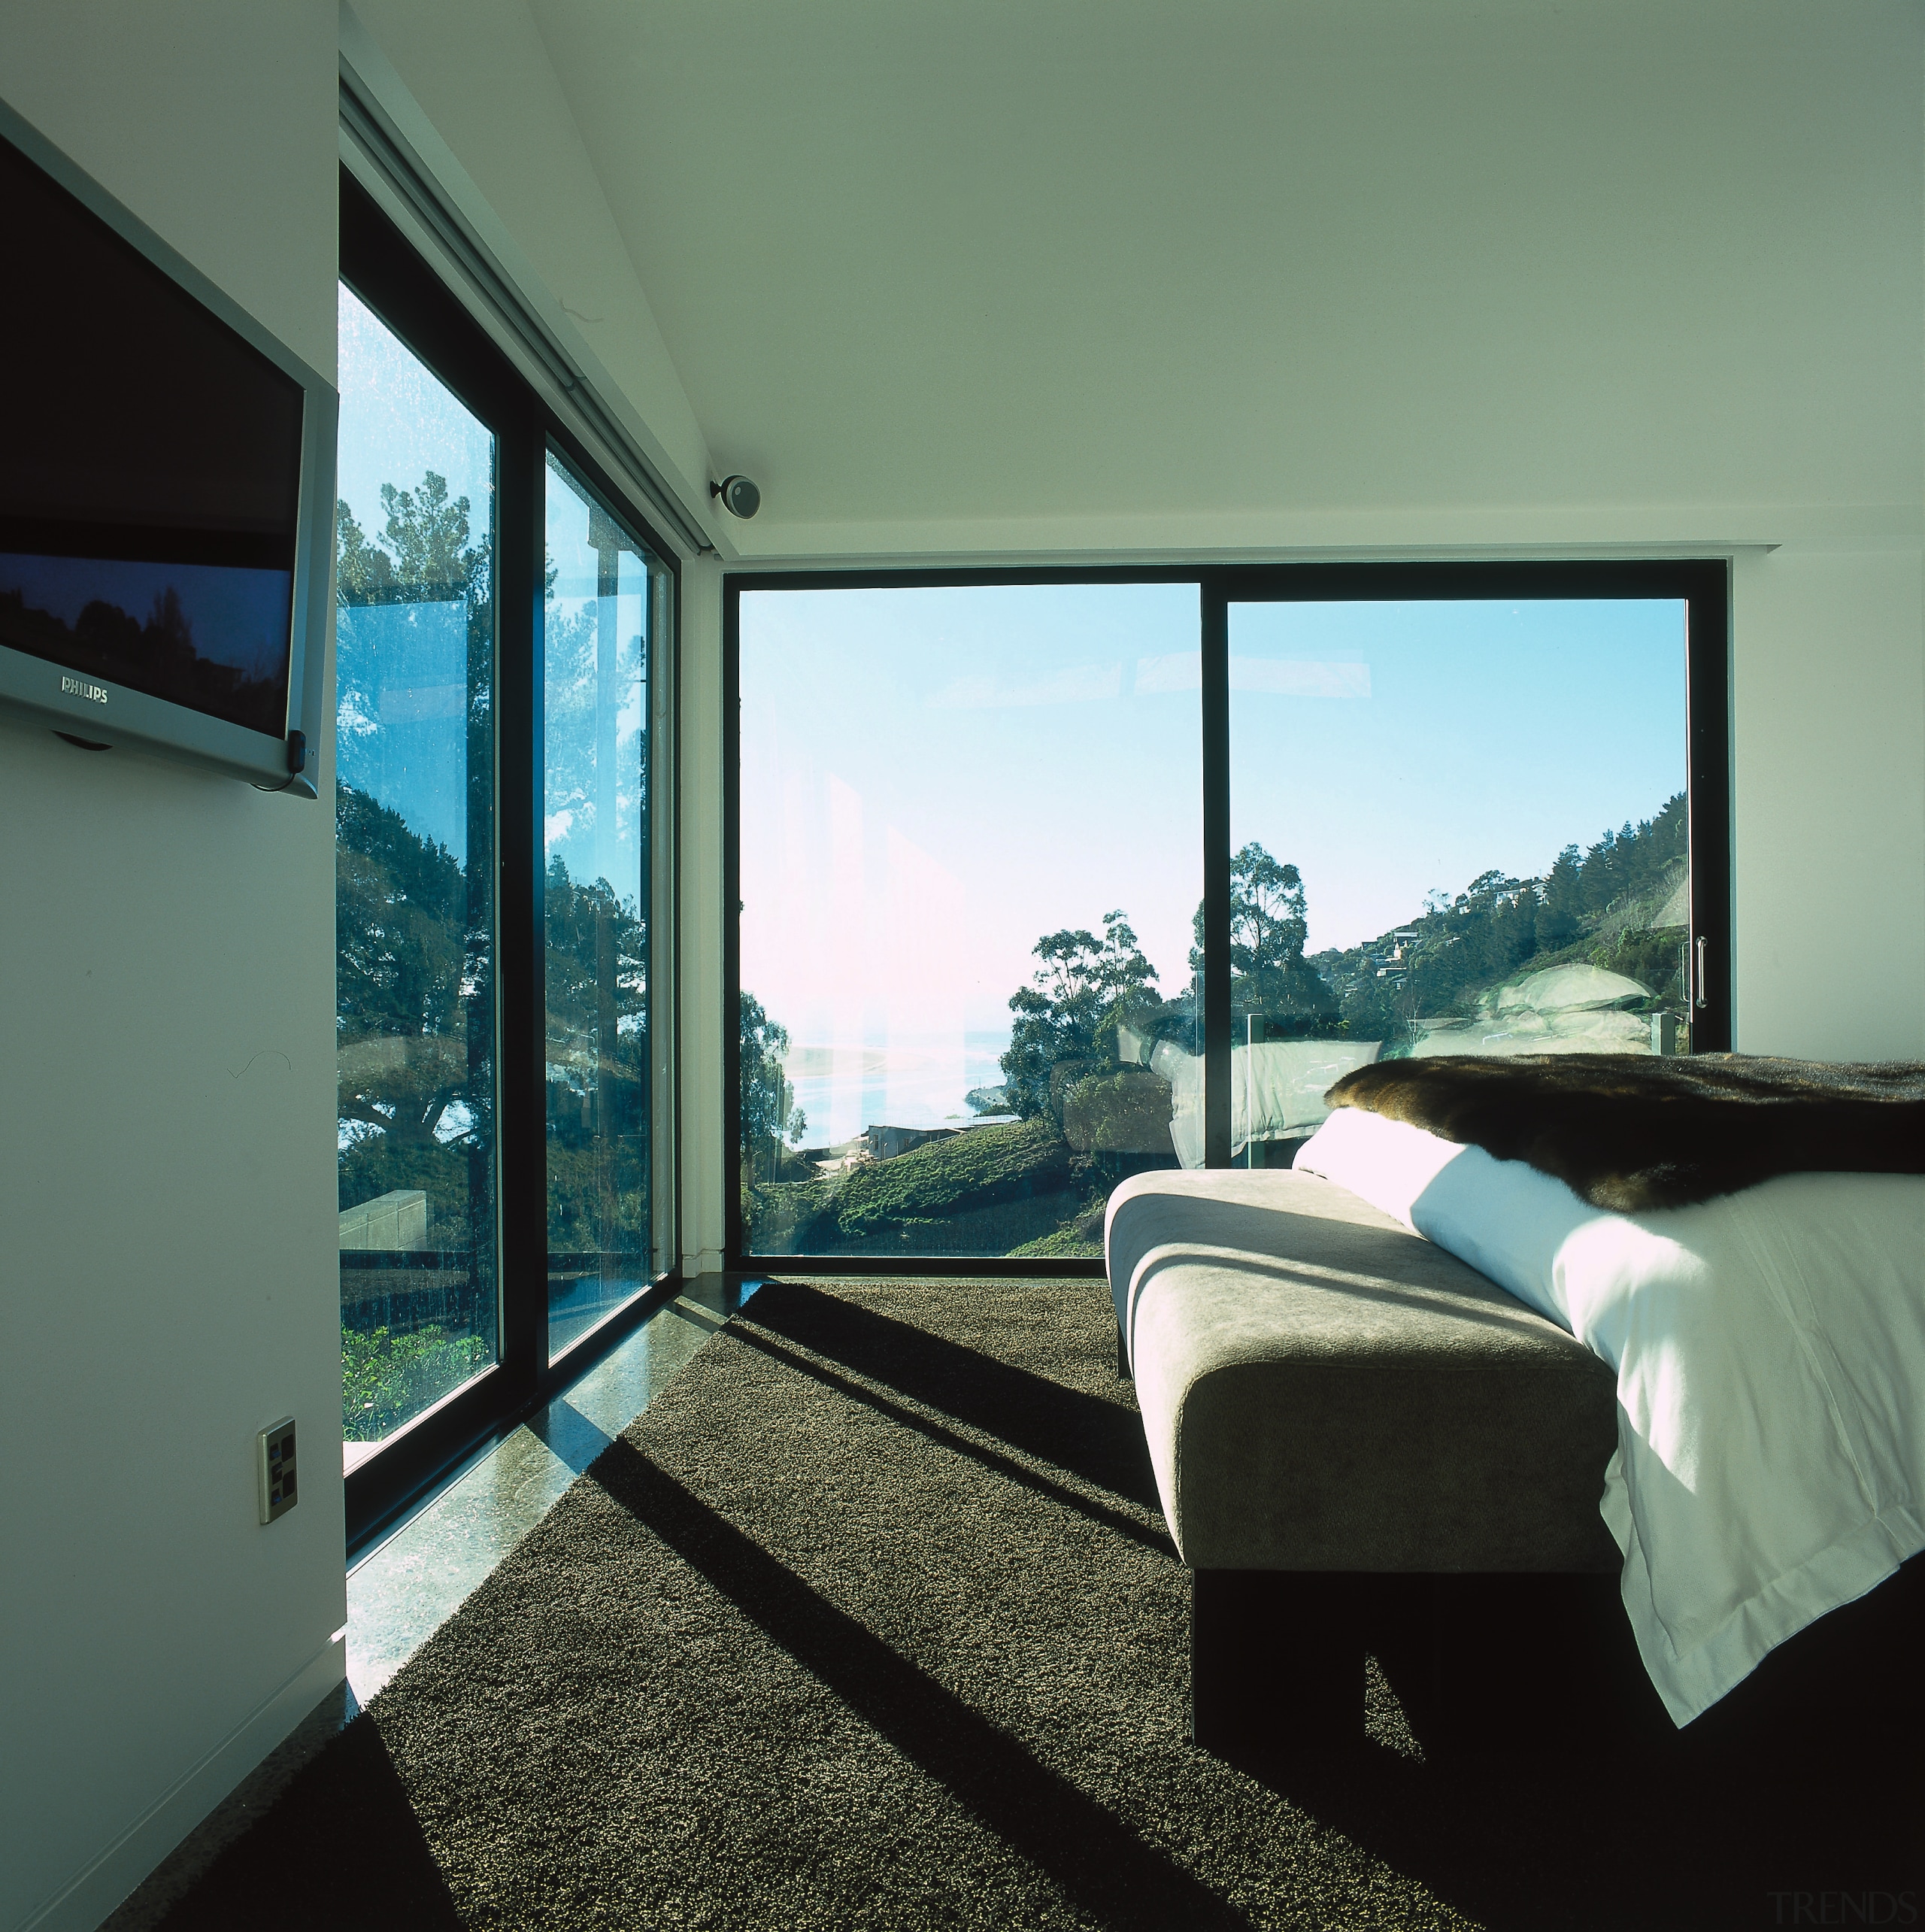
(1703, 584)
(386, 272)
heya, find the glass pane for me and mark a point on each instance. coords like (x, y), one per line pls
(414, 1023)
(1456, 828)
(971, 865)
(600, 601)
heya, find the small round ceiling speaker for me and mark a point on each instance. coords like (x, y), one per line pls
(740, 497)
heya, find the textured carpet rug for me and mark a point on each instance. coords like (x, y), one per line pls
(871, 1620)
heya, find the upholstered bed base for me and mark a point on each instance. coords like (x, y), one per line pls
(1360, 1444)
(1363, 1446)
(1324, 1390)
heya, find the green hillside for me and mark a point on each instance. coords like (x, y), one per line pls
(1602, 906)
(984, 1191)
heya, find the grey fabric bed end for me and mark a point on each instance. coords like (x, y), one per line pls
(1340, 1414)
(1324, 1390)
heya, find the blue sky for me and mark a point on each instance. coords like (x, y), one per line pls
(932, 779)
(398, 421)
(402, 732)
(1492, 735)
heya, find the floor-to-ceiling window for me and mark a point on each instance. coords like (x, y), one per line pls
(605, 599)
(1046, 880)
(414, 900)
(971, 875)
(1455, 827)
(503, 674)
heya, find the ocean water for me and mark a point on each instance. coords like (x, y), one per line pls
(844, 1087)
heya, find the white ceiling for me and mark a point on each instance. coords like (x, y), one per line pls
(958, 266)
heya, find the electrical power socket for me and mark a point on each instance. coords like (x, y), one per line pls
(274, 1456)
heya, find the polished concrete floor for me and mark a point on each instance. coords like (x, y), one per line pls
(406, 1585)
(401, 1591)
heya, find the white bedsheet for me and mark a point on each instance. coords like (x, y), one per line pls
(1769, 1347)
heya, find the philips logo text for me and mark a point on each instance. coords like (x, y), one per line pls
(79, 687)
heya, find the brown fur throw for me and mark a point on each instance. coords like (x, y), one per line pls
(1630, 1132)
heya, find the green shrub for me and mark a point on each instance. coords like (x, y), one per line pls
(1126, 1110)
(386, 1379)
(1652, 955)
(787, 1217)
(1068, 1243)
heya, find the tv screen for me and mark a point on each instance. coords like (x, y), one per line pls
(158, 459)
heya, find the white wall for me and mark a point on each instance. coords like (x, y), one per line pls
(1829, 783)
(700, 911)
(166, 1049)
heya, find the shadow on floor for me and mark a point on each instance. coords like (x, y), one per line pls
(776, 1661)
(357, 1857)
(1091, 1854)
(1523, 1843)
(1100, 1440)
(1149, 1536)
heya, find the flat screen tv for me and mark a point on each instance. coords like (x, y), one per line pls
(166, 491)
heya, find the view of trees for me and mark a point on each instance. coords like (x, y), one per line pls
(415, 980)
(595, 891)
(422, 554)
(1269, 925)
(771, 1122)
(1084, 987)
(1090, 1111)
(402, 959)
(414, 995)
(414, 969)
(594, 801)
(596, 984)
(1599, 905)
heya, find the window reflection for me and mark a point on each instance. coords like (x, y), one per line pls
(1458, 827)
(971, 851)
(414, 902)
(602, 591)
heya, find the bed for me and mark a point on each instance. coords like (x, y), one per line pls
(1768, 1341)
(1513, 1344)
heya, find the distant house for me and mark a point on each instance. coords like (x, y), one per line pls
(885, 1143)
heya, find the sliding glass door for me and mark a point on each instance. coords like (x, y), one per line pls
(414, 911)
(604, 599)
(970, 878)
(1045, 879)
(1457, 827)
(505, 654)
